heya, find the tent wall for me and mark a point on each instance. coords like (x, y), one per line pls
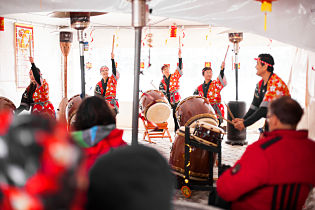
(201, 45)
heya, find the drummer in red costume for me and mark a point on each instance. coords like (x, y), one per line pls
(170, 85)
(108, 85)
(212, 89)
(269, 88)
(278, 170)
(36, 95)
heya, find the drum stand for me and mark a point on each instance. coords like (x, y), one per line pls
(207, 185)
(152, 132)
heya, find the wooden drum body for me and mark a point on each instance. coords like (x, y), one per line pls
(195, 108)
(6, 104)
(154, 106)
(71, 109)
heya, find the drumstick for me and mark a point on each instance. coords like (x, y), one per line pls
(229, 110)
(113, 46)
(30, 43)
(153, 85)
(179, 42)
(229, 121)
(226, 52)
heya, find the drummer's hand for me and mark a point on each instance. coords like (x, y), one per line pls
(239, 125)
(112, 55)
(31, 59)
(223, 65)
(179, 52)
(235, 120)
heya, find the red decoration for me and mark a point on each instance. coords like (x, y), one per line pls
(266, 6)
(1, 23)
(141, 65)
(173, 31)
(207, 64)
(167, 65)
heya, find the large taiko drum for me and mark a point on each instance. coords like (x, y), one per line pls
(203, 133)
(71, 109)
(6, 104)
(196, 113)
(195, 108)
(154, 106)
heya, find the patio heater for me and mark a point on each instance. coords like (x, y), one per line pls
(65, 38)
(236, 137)
(140, 11)
(79, 21)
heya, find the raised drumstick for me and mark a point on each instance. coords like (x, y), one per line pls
(113, 46)
(30, 45)
(226, 52)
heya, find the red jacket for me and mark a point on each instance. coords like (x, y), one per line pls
(271, 164)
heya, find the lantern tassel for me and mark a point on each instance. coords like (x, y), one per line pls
(265, 26)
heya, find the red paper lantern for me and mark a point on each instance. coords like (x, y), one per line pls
(141, 65)
(173, 31)
(1, 23)
(207, 64)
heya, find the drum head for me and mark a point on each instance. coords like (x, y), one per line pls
(158, 113)
(211, 127)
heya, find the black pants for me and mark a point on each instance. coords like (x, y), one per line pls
(174, 117)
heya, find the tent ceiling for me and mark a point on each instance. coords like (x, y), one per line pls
(291, 21)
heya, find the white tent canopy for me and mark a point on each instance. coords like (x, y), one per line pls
(291, 21)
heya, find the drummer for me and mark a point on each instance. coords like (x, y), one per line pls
(212, 89)
(36, 95)
(267, 89)
(107, 86)
(170, 85)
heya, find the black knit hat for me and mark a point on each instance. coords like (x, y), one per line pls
(131, 178)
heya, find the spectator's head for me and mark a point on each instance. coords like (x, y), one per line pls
(265, 63)
(131, 178)
(93, 111)
(284, 113)
(207, 73)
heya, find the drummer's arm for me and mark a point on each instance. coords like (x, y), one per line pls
(222, 69)
(35, 71)
(261, 112)
(180, 60)
(113, 64)
(97, 91)
(161, 88)
(196, 92)
(25, 103)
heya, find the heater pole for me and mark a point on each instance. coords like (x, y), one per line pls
(81, 46)
(139, 12)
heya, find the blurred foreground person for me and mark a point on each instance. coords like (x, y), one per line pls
(278, 170)
(131, 178)
(39, 166)
(96, 131)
